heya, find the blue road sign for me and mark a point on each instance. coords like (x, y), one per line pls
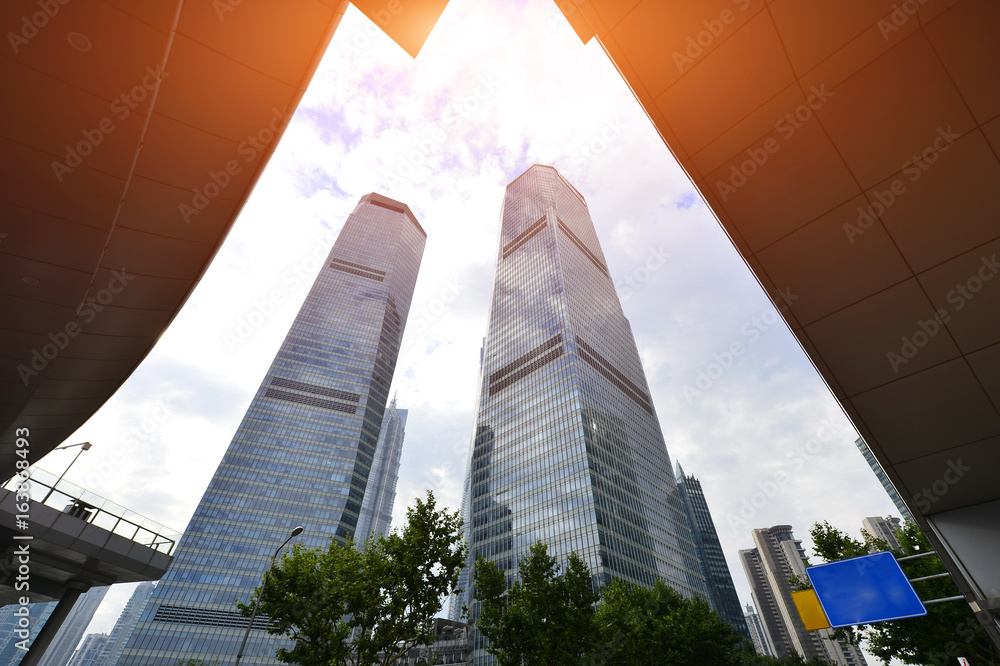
(870, 588)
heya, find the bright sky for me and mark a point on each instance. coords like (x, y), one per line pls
(498, 86)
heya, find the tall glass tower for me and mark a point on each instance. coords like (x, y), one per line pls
(112, 648)
(376, 511)
(883, 479)
(303, 452)
(567, 448)
(718, 580)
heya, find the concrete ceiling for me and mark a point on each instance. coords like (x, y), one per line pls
(850, 150)
(119, 117)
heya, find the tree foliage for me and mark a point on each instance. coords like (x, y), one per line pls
(371, 605)
(948, 631)
(657, 625)
(547, 617)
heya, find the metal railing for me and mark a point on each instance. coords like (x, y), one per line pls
(61, 495)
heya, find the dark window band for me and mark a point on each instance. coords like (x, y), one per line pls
(313, 388)
(524, 358)
(311, 401)
(373, 201)
(583, 248)
(523, 237)
(358, 266)
(360, 271)
(209, 618)
(615, 376)
(523, 372)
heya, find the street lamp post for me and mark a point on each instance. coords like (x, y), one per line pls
(297, 531)
(85, 447)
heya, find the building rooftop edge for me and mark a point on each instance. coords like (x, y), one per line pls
(381, 198)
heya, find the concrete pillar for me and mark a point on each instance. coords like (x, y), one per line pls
(38, 646)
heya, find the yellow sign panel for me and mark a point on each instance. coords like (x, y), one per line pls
(810, 611)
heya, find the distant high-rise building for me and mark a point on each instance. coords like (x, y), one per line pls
(769, 567)
(304, 451)
(376, 510)
(11, 643)
(883, 479)
(718, 581)
(64, 643)
(114, 645)
(883, 528)
(567, 448)
(757, 634)
(91, 651)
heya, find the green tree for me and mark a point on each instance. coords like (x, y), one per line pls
(545, 617)
(548, 618)
(949, 630)
(658, 625)
(364, 606)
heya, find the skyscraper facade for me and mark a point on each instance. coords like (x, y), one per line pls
(113, 647)
(90, 651)
(718, 581)
(883, 479)
(567, 448)
(768, 567)
(376, 510)
(883, 528)
(303, 452)
(757, 634)
(13, 647)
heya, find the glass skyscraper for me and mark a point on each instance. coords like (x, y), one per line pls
(10, 653)
(769, 567)
(112, 648)
(90, 651)
(376, 510)
(303, 452)
(567, 447)
(883, 479)
(718, 580)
